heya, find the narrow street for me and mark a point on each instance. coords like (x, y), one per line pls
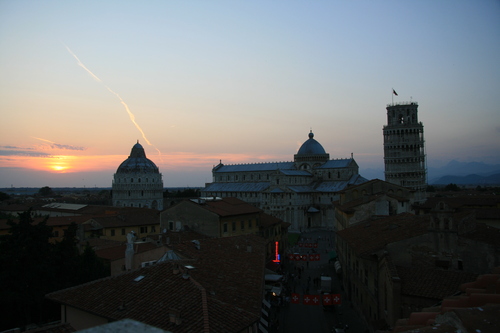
(290, 317)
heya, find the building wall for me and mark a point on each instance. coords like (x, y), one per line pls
(205, 222)
(239, 225)
(280, 200)
(391, 200)
(446, 248)
(138, 190)
(120, 233)
(389, 292)
(118, 266)
(189, 214)
(80, 320)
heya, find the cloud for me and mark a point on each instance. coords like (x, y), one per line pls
(22, 153)
(54, 145)
(68, 147)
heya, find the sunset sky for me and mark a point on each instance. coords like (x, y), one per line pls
(239, 81)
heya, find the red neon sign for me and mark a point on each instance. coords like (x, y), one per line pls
(276, 254)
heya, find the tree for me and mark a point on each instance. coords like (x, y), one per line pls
(4, 196)
(452, 187)
(45, 191)
(25, 278)
(31, 267)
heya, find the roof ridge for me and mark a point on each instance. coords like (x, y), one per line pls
(204, 305)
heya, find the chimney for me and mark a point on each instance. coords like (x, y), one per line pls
(175, 316)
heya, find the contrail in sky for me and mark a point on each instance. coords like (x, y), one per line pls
(131, 115)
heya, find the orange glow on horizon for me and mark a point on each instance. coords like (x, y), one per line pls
(89, 163)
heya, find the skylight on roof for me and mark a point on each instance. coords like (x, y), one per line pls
(139, 278)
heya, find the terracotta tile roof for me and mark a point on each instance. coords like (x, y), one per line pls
(432, 283)
(51, 221)
(348, 206)
(485, 234)
(267, 220)
(176, 237)
(127, 219)
(488, 213)
(55, 328)
(366, 237)
(476, 310)
(223, 293)
(100, 243)
(14, 207)
(478, 201)
(118, 252)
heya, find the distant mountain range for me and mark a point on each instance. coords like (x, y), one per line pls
(465, 173)
(460, 173)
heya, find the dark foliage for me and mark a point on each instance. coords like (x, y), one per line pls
(452, 187)
(186, 193)
(32, 266)
(45, 191)
(4, 196)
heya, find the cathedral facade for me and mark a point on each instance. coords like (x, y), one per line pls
(299, 192)
(138, 182)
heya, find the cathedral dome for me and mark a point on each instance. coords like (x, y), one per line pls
(311, 147)
(137, 162)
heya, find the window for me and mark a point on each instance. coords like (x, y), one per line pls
(225, 227)
(123, 231)
(144, 230)
(112, 232)
(249, 224)
(170, 225)
(242, 223)
(234, 226)
(153, 228)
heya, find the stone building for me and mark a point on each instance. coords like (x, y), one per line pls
(404, 153)
(137, 182)
(300, 192)
(371, 200)
(225, 217)
(404, 263)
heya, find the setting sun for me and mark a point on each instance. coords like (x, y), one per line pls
(60, 163)
(58, 167)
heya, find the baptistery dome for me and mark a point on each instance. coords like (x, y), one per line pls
(137, 182)
(137, 162)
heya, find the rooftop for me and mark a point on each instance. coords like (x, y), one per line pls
(431, 283)
(223, 292)
(368, 237)
(227, 206)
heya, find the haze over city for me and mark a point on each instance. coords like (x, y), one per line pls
(242, 82)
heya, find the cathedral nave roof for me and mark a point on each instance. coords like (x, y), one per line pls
(270, 166)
